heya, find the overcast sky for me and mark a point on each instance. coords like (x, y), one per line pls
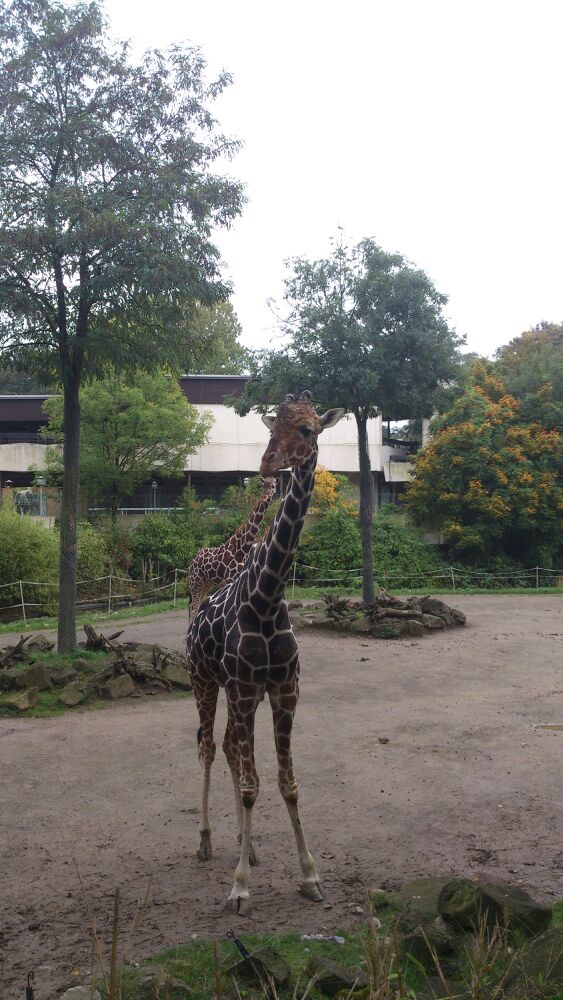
(433, 126)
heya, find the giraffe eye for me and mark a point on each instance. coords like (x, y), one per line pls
(305, 431)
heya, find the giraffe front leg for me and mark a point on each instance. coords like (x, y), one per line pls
(283, 710)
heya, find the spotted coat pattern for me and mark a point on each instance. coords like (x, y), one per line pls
(213, 566)
(242, 640)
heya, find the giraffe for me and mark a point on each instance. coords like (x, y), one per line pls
(213, 566)
(242, 640)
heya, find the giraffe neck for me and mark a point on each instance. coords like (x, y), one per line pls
(274, 558)
(244, 536)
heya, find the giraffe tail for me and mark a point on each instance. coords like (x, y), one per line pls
(199, 739)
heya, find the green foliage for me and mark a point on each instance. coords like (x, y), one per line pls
(235, 507)
(213, 346)
(332, 546)
(366, 332)
(106, 192)
(170, 541)
(133, 428)
(28, 551)
(489, 480)
(92, 556)
(402, 557)
(531, 367)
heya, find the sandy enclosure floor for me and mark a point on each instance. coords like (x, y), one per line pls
(465, 785)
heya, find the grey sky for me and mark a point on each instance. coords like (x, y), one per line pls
(433, 126)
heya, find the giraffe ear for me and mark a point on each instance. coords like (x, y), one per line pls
(331, 417)
(269, 419)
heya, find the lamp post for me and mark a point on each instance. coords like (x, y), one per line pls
(41, 481)
(154, 487)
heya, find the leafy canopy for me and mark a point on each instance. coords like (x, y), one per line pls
(489, 480)
(365, 331)
(107, 197)
(212, 342)
(134, 427)
(531, 367)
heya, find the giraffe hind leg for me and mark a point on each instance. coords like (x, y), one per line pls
(206, 699)
(283, 711)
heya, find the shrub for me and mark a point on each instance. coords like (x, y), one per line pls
(92, 553)
(401, 556)
(28, 551)
(332, 547)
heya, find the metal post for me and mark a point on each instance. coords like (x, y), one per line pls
(109, 594)
(175, 585)
(23, 604)
(537, 578)
(293, 581)
(452, 571)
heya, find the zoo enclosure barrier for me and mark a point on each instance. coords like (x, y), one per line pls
(34, 598)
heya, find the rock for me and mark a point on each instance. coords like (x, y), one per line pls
(427, 936)
(292, 605)
(39, 644)
(118, 687)
(62, 675)
(540, 960)
(433, 621)
(464, 903)
(23, 701)
(9, 678)
(177, 676)
(387, 631)
(80, 993)
(35, 676)
(84, 666)
(72, 694)
(267, 962)
(363, 624)
(413, 627)
(156, 982)
(418, 897)
(459, 617)
(331, 977)
(433, 606)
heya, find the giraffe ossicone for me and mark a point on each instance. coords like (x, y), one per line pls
(242, 640)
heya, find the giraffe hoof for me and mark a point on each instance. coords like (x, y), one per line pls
(239, 905)
(312, 890)
(205, 852)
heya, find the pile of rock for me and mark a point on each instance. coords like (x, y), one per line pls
(387, 618)
(127, 668)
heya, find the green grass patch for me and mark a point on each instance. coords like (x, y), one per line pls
(96, 617)
(194, 963)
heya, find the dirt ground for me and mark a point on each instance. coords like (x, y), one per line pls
(466, 784)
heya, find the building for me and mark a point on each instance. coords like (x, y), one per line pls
(234, 450)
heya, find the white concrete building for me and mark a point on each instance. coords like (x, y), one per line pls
(234, 449)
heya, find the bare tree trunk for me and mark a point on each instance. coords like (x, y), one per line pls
(69, 516)
(366, 510)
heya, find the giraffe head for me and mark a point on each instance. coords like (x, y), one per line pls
(294, 432)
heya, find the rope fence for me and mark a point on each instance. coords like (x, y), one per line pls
(33, 598)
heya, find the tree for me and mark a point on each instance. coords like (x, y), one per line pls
(213, 346)
(531, 367)
(133, 427)
(20, 383)
(489, 480)
(107, 202)
(366, 332)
